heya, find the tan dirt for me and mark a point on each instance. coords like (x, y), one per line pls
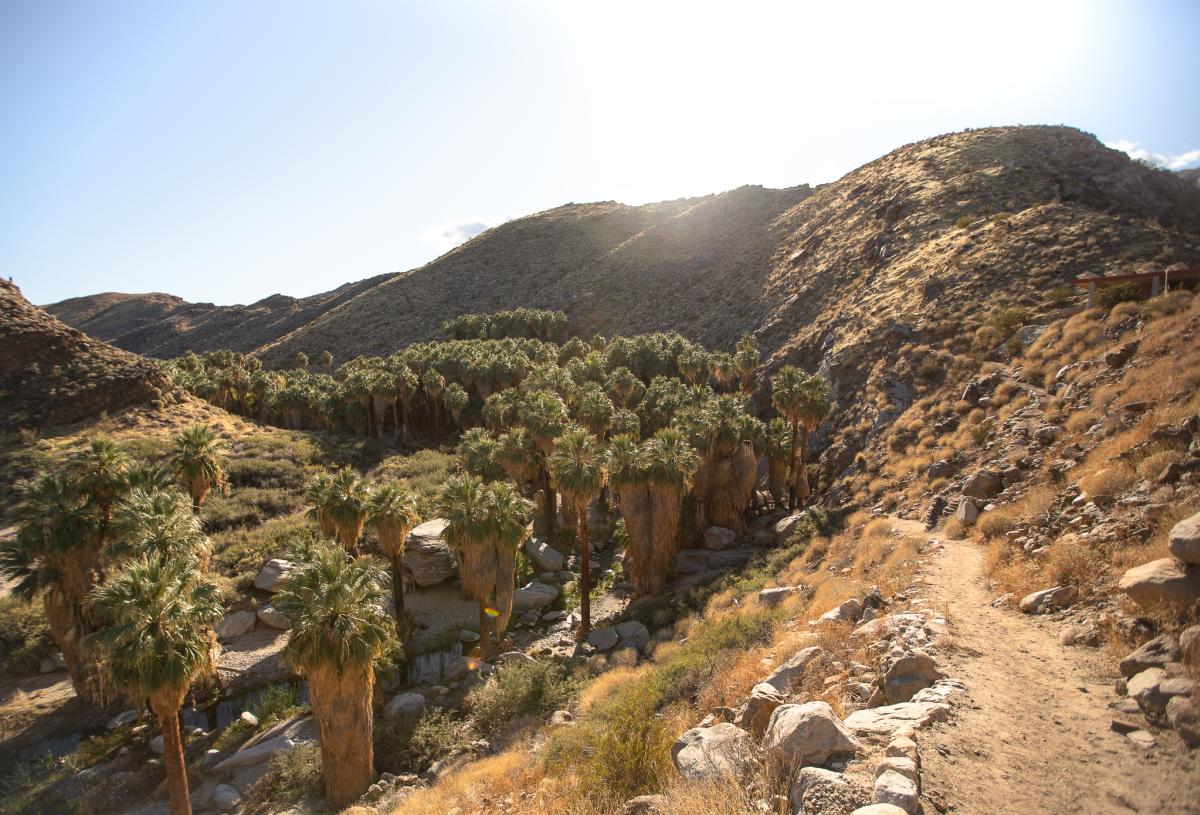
(1033, 735)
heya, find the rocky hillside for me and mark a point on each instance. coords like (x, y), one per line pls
(951, 225)
(51, 374)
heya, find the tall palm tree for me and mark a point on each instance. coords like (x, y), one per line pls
(340, 630)
(577, 467)
(344, 503)
(787, 395)
(629, 478)
(199, 461)
(775, 444)
(393, 512)
(56, 553)
(594, 410)
(508, 522)
(455, 399)
(670, 465)
(745, 360)
(464, 504)
(162, 610)
(157, 521)
(815, 405)
(543, 413)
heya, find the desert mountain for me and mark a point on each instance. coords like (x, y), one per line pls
(51, 374)
(953, 224)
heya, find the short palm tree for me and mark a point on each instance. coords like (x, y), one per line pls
(787, 395)
(346, 501)
(508, 522)
(340, 630)
(670, 464)
(100, 473)
(745, 360)
(157, 522)
(56, 554)
(393, 512)
(316, 495)
(161, 610)
(776, 449)
(543, 413)
(199, 461)
(813, 406)
(577, 467)
(455, 399)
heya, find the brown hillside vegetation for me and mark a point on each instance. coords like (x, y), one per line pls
(51, 374)
(944, 226)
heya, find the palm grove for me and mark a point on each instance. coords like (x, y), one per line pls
(652, 430)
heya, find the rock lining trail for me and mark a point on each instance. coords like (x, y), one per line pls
(1033, 735)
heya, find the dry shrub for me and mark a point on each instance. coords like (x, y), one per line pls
(1010, 569)
(1074, 562)
(1108, 482)
(954, 529)
(470, 788)
(1152, 465)
(996, 523)
(609, 683)
(877, 529)
(1081, 420)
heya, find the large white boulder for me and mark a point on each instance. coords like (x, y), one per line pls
(1184, 540)
(889, 720)
(1162, 582)
(707, 753)
(271, 573)
(427, 555)
(533, 595)
(908, 674)
(256, 754)
(790, 672)
(234, 625)
(404, 705)
(546, 557)
(273, 618)
(806, 735)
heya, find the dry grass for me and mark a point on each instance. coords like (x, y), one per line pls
(1152, 465)
(1011, 570)
(1073, 561)
(1108, 483)
(470, 789)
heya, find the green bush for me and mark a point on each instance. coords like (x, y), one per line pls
(249, 506)
(438, 735)
(1109, 296)
(620, 752)
(241, 552)
(291, 776)
(24, 636)
(518, 690)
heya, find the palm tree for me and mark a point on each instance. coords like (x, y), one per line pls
(456, 400)
(162, 610)
(787, 395)
(670, 464)
(158, 521)
(745, 360)
(776, 449)
(199, 462)
(346, 503)
(508, 522)
(393, 512)
(316, 495)
(478, 451)
(594, 410)
(56, 553)
(100, 473)
(543, 414)
(577, 468)
(464, 503)
(815, 404)
(340, 630)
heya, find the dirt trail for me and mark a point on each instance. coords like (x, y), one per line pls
(1033, 735)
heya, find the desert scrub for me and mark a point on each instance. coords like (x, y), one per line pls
(518, 690)
(426, 472)
(291, 776)
(620, 750)
(239, 553)
(1152, 465)
(272, 704)
(996, 523)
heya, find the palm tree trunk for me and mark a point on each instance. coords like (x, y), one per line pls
(342, 710)
(550, 507)
(792, 469)
(398, 593)
(485, 631)
(585, 576)
(177, 782)
(802, 481)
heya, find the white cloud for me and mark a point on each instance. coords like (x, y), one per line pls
(1135, 150)
(456, 232)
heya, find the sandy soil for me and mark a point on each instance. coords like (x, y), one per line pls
(1033, 735)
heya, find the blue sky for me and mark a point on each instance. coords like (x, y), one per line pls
(226, 151)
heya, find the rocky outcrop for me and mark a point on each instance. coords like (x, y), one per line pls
(427, 555)
(806, 735)
(1165, 581)
(271, 573)
(711, 753)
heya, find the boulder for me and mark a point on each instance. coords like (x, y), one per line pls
(983, 485)
(427, 555)
(774, 596)
(1160, 582)
(1047, 599)
(941, 469)
(272, 618)
(806, 735)
(899, 764)
(256, 754)
(967, 512)
(1184, 716)
(1189, 645)
(784, 527)
(879, 809)
(815, 789)
(718, 537)
(234, 625)
(226, 798)
(1184, 540)
(1152, 689)
(903, 747)
(889, 720)
(52, 663)
(603, 639)
(532, 596)
(787, 674)
(271, 573)
(461, 667)
(710, 753)
(893, 788)
(156, 745)
(761, 704)
(633, 634)
(907, 675)
(695, 561)
(1117, 357)
(848, 612)
(1154, 654)
(1046, 434)
(122, 719)
(547, 558)
(404, 705)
